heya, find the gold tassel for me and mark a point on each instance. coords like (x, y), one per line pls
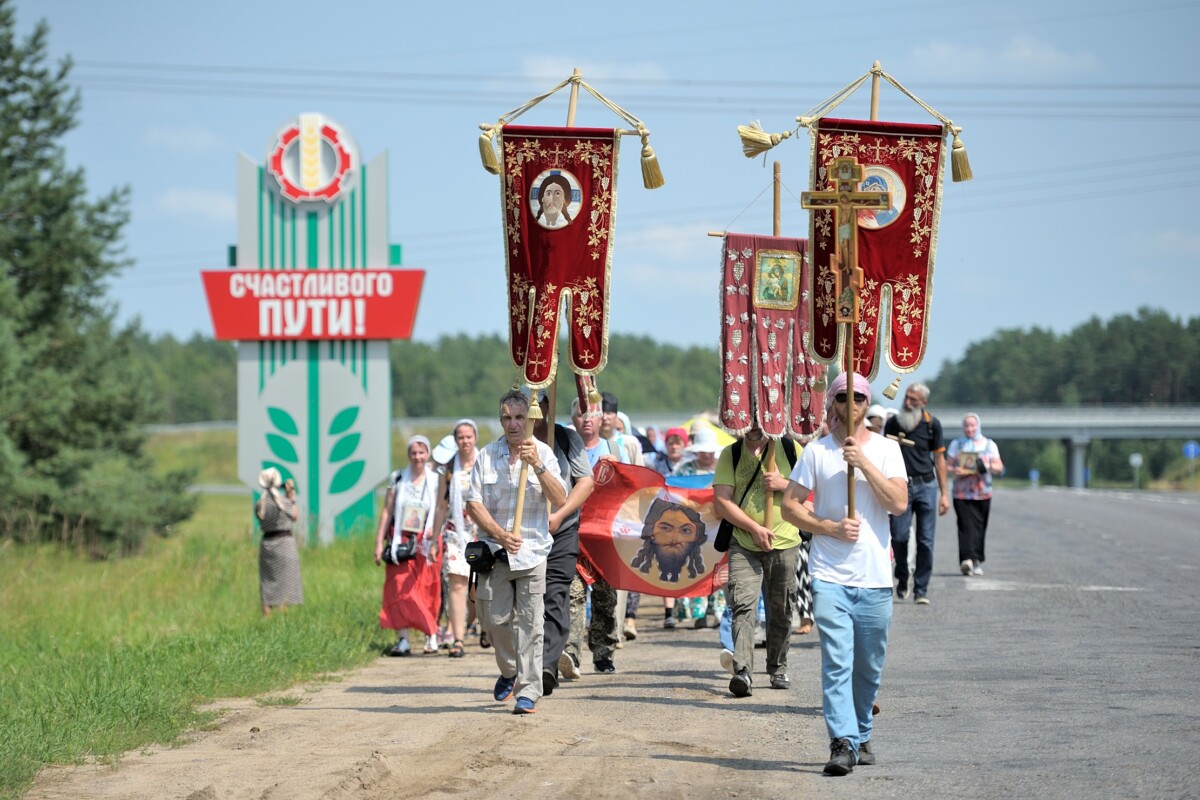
(892, 389)
(594, 398)
(756, 141)
(487, 151)
(960, 168)
(652, 176)
(535, 408)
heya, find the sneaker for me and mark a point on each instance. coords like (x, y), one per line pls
(568, 667)
(740, 684)
(727, 661)
(604, 665)
(668, 622)
(866, 756)
(707, 621)
(922, 600)
(630, 629)
(966, 567)
(431, 644)
(781, 681)
(902, 591)
(976, 569)
(504, 687)
(524, 706)
(841, 757)
(549, 682)
(400, 648)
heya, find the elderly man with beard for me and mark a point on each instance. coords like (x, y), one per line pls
(852, 590)
(759, 558)
(924, 451)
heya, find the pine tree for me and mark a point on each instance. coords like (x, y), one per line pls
(72, 394)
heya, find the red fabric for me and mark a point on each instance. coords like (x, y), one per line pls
(768, 377)
(610, 533)
(412, 595)
(545, 263)
(896, 259)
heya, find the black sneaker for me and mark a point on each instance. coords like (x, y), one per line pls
(605, 665)
(866, 757)
(740, 684)
(841, 757)
(549, 682)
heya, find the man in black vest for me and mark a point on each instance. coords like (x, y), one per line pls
(924, 451)
(564, 527)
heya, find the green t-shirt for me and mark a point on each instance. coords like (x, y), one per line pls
(786, 534)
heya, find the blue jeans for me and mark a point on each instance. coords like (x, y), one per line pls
(922, 501)
(854, 631)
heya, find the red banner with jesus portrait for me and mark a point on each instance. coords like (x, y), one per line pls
(559, 192)
(644, 536)
(896, 246)
(768, 379)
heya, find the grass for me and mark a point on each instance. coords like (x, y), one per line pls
(99, 658)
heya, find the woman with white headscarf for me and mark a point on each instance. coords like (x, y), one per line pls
(457, 528)
(412, 588)
(972, 459)
(278, 561)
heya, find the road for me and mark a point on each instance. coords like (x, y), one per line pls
(1070, 670)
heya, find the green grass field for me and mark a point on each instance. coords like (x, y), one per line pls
(98, 658)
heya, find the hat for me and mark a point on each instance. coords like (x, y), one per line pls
(680, 432)
(445, 449)
(608, 402)
(705, 441)
(877, 411)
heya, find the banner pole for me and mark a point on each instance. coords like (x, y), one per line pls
(776, 230)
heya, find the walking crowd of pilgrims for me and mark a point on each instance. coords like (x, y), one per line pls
(457, 571)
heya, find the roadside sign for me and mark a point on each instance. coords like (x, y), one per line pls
(1135, 460)
(1191, 449)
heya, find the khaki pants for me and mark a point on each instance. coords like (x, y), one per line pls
(509, 604)
(772, 573)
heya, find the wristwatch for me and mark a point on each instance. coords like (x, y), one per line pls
(539, 470)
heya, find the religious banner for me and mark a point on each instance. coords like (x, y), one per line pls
(895, 246)
(559, 191)
(645, 536)
(767, 377)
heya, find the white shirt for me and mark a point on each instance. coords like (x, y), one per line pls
(864, 564)
(494, 484)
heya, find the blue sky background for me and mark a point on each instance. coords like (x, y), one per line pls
(1081, 120)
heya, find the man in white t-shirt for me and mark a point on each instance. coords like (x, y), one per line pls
(850, 565)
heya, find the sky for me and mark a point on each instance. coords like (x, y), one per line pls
(1075, 115)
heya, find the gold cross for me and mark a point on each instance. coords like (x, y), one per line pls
(845, 201)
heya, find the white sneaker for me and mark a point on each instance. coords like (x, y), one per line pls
(568, 668)
(966, 567)
(976, 569)
(727, 661)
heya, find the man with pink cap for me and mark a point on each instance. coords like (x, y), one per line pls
(851, 570)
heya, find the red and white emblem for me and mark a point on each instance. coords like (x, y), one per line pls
(312, 159)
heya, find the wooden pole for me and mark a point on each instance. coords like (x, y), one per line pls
(519, 511)
(776, 230)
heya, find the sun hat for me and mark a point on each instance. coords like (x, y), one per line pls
(705, 441)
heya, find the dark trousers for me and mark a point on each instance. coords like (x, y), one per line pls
(972, 527)
(560, 569)
(922, 502)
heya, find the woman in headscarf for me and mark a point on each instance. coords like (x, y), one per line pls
(412, 588)
(457, 528)
(278, 561)
(972, 459)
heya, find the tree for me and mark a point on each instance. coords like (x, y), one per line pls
(71, 460)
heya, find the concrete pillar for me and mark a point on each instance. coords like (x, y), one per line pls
(1077, 461)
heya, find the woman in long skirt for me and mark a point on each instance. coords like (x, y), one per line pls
(278, 560)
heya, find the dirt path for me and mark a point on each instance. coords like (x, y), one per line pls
(426, 726)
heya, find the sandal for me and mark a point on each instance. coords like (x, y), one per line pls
(484, 641)
(805, 627)
(456, 649)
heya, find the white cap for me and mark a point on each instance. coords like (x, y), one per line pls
(704, 440)
(445, 450)
(877, 411)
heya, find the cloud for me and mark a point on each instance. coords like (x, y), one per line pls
(554, 68)
(1177, 243)
(1021, 56)
(185, 140)
(671, 243)
(205, 204)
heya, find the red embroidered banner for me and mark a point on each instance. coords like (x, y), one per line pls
(768, 377)
(895, 247)
(559, 192)
(645, 536)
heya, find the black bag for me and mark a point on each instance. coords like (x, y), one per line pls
(725, 529)
(479, 557)
(400, 548)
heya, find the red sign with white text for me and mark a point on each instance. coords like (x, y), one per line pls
(312, 304)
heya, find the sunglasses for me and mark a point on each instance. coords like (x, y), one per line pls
(840, 397)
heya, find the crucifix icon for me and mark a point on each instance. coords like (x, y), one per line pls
(845, 202)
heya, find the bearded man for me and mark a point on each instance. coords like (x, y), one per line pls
(924, 451)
